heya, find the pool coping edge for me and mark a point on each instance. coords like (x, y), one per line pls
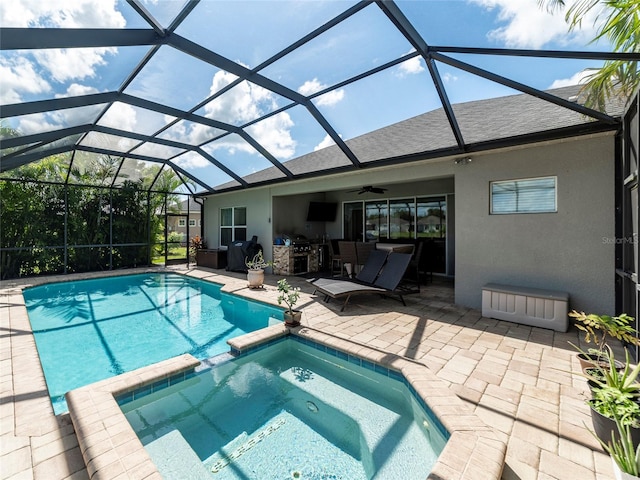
(111, 448)
(472, 446)
(109, 445)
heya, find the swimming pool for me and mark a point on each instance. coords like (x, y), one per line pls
(290, 410)
(89, 330)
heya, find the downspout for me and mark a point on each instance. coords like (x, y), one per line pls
(150, 247)
(110, 229)
(618, 218)
(66, 228)
(195, 199)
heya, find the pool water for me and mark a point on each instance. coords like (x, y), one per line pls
(287, 411)
(90, 330)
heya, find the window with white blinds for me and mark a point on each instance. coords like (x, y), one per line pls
(529, 195)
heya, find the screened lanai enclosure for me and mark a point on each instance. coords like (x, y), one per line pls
(64, 216)
(117, 117)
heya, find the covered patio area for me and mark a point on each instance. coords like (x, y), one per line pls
(515, 378)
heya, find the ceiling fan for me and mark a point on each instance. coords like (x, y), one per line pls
(369, 189)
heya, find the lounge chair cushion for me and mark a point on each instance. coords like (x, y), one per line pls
(386, 283)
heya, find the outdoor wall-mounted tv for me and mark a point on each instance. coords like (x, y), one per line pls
(322, 212)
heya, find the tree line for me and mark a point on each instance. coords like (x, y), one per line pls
(56, 219)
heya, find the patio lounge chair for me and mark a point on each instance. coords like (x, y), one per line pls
(366, 276)
(386, 283)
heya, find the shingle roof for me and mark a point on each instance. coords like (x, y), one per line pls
(189, 205)
(481, 122)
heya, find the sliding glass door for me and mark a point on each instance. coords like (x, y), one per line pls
(401, 219)
(431, 225)
(432, 217)
(376, 221)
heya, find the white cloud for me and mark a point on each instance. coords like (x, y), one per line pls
(121, 116)
(35, 123)
(578, 78)
(274, 134)
(199, 133)
(331, 98)
(328, 99)
(65, 64)
(412, 66)
(327, 141)
(187, 132)
(80, 115)
(101, 140)
(239, 105)
(153, 149)
(54, 120)
(76, 90)
(76, 116)
(18, 14)
(72, 63)
(310, 87)
(61, 13)
(18, 77)
(191, 160)
(527, 25)
(449, 77)
(246, 102)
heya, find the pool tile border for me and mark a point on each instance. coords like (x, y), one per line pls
(110, 447)
(473, 450)
(112, 450)
(281, 337)
(472, 446)
(353, 359)
(148, 389)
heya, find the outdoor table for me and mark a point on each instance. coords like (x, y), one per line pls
(396, 247)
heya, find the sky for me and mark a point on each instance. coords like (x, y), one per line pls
(249, 33)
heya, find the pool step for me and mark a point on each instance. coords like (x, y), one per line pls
(241, 445)
(175, 458)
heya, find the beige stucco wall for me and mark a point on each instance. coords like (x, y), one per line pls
(571, 250)
(258, 203)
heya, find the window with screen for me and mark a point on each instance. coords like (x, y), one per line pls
(530, 195)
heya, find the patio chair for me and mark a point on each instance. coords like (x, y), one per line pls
(349, 256)
(336, 258)
(363, 250)
(416, 262)
(387, 283)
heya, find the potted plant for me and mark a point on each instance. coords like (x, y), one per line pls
(598, 329)
(625, 455)
(615, 399)
(289, 296)
(197, 243)
(255, 269)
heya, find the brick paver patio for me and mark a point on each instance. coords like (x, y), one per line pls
(516, 379)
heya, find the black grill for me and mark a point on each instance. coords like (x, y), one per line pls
(301, 247)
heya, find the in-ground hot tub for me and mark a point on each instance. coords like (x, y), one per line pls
(431, 410)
